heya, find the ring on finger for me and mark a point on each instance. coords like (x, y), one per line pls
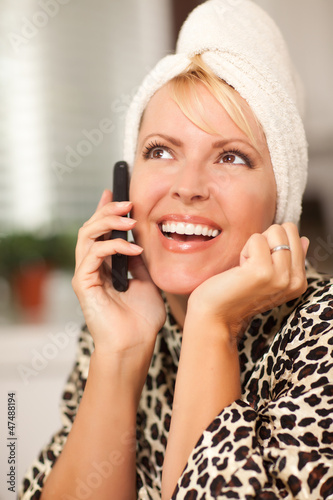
(280, 247)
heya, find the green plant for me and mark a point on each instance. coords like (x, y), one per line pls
(21, 249)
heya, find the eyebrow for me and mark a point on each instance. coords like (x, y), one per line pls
(169, 138)
(222, 143)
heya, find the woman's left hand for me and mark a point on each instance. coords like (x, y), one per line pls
(263, 279)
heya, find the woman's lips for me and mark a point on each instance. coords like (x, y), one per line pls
(181, 233)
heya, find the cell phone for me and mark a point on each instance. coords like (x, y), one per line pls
(120, 193)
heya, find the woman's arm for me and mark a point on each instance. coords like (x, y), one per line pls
(208, 380)
(36, 475)
(99, 455)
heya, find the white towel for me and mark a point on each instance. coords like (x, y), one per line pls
(244, 47)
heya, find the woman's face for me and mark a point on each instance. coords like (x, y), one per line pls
(197, 197)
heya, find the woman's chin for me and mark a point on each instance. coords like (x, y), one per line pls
(177, 284)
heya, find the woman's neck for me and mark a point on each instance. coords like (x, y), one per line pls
(178, 307)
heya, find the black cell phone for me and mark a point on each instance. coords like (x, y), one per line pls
(120, 193)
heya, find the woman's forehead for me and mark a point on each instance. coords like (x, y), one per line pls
(163, 113)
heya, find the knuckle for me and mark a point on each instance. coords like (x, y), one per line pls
(275, 227)
(81, 231)
(255, 239)
(289, 225)
(97, 247)
(304, 287)
(74, 282)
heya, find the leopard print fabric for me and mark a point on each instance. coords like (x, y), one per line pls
(276, 442)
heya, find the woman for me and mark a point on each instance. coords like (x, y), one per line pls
(218, 387)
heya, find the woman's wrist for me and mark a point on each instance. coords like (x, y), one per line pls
(209, 356)
(203, 322)
(123, 375)
(221, 319)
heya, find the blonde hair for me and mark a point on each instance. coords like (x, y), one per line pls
(184, 91)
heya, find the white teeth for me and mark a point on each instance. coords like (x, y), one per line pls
(180, 228)
(189, 229)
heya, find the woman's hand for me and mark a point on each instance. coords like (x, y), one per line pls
(123, 324)
(262, 280)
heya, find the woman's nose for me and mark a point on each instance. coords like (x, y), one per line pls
(190, 184)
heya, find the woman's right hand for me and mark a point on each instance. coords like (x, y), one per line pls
(122, 324)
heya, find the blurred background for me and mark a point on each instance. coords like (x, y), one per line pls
(68, 70)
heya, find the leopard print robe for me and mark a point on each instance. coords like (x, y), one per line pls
(276, 442)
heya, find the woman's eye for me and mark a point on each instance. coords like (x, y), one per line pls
(232, 159)
(159, 153)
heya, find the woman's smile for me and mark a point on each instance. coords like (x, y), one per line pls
(186, 233)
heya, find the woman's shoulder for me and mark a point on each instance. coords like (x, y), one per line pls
(317, 301)
(318, 282)
(86, 343)
(302, 321)
(307, 332)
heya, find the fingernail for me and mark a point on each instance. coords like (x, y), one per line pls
(122, 204)
(135, 247)
(129, 221)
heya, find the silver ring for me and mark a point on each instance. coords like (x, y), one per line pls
(280, 247)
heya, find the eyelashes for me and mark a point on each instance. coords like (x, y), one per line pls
(236, 153)
(233, 153)
(151, 147)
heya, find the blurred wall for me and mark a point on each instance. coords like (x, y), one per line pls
(68, 70)
(306, 25)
